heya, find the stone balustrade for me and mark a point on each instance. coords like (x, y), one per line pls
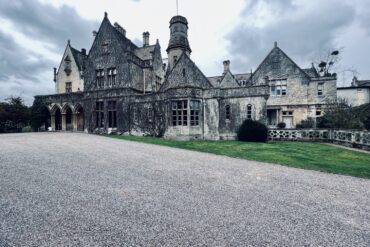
(350, 138)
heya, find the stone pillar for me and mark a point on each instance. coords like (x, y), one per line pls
(64, 122)
(75, 121)
(52, 122)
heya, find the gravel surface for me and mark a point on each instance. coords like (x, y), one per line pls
(84, 190)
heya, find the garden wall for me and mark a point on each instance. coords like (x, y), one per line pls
(349, 138)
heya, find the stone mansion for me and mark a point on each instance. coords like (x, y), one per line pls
(120, 87)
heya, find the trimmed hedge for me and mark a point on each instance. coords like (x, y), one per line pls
(252, 131)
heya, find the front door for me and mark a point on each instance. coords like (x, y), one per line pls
(288, 122)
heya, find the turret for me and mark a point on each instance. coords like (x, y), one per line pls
(178, 40)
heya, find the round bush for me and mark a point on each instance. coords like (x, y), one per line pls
(281, 125)
(252, 131)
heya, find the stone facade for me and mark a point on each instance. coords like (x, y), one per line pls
(120, 87)
(357, 94)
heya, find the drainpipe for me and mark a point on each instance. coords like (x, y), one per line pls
(144, 80)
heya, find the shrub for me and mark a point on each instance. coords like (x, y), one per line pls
(26, 129)
(281, 125)
(367, 123)
(306, 124)
(252, 131)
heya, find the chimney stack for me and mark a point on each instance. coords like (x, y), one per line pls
(120, 29)
(146, 36)
(95, 33)
(226, 66)
(55, 74)
(83, 51)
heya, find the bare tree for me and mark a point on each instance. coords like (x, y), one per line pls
(328, 62)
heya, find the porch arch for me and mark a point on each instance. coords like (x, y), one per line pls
(67, 118)
(79, 118)
(56, 117)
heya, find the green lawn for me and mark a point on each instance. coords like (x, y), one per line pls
(313, 156)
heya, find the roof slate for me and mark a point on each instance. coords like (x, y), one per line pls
(145, 53)
(79, 57)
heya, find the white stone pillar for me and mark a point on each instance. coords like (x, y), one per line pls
(52, 122)
(64, 122)
(75, 121)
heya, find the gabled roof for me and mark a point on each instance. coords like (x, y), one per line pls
(229, 81)
(79, 57)
(216, 80)
(145, 53)
(312, 72)
(185, 73)
(269, 57)
(106, 24)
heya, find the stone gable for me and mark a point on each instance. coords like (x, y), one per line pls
(185, 74)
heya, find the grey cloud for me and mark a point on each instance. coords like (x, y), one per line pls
(17, 62)
(303, 34)
(47, 23)
(21, 70)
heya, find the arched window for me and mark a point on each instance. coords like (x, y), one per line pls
(227, 111)
(249, 111)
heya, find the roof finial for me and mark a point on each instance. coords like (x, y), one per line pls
(69, 42)
(177, 7)
(105, 15)
(275, 44)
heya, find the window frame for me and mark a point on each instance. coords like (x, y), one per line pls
(278, 87)
(68, 87)
(195, 107)
(320, 89)
(112, 114)
(100, 118)
(99, 78)
(111, 75)
(227, 112)
(249, 111)
(150, 115)
(179, 112)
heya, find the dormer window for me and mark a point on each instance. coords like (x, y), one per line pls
(67, 66)
(174, 59)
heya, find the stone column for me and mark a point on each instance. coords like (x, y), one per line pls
(52, 122)
(64, 122)
(75, 121)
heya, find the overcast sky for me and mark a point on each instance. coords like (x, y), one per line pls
(34, 33)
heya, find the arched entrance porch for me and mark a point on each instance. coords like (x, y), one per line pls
(79, 118)
(58, 120)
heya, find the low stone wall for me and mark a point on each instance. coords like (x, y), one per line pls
(350, 138)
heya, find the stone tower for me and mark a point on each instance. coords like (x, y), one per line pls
(178, 40)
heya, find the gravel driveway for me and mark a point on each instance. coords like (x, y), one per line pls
(79, 189)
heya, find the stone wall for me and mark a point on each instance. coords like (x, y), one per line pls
(350, 138)
(355, 96)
